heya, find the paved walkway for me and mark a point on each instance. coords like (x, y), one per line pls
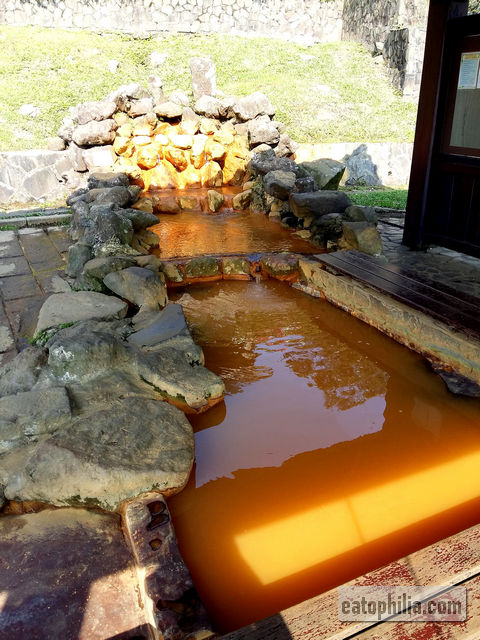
(31, 268)
(450, 268)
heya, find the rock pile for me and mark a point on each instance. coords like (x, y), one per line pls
(82, 412)
(165, 143)
(304, 196)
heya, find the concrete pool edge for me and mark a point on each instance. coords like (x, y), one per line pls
(429, 337)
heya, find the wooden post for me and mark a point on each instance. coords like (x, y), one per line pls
(439, 13)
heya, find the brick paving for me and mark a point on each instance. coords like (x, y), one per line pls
(32, 263)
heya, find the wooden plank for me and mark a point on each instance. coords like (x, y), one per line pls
(427, 305)
(451, 561)
(394, 286)
(467, 303)
(468, 630)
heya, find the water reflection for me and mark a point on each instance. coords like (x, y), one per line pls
(335, 452)
(196, 233)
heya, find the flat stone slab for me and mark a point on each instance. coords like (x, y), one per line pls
(168, 323)
(68, 573)
(105, 456)
(63, 308)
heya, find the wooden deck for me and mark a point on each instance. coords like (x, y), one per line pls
(453, 561)
(458, 310)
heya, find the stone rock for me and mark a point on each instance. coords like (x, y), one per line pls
(169, 110)
(75, 154)
(178, 377)
(171, 272)
(208, 126)
(127, 92)
(80, 353)
(215, 200)
(326, 173)
(21, 373)
(100, 267)
(140, 107)
(363, 236)
(362, 171)
(305, 185)
(118, 196)
(88, 111)
(66, 130)
(328, 227)
(107, 456)
(78, 255)
(147, 157)
(143, 204)
(190, 123)
(262, 131)
(189, 203)
(249, 107)
(318, 203)
(56, 144)
(181, 140)
(99, 157)
(166, 324)
(110, 228)
(70, 307)
(35, 590)
(27, 415)
(208, 106)
(149, 262)
(456, 383)
(167, 204)
(225, 135)
(357, 213)
(242, 200)
(211, 175)
(139, 219)
(141, 287)
(203, 77)
(94, 133)
(285, 147)
(234, 170)
(202, 267)
(235, 266)
(279, 184)
(155, 87)
(258, 197)
(107, 180)
(180, 98)
(281, 266)
(267, 161)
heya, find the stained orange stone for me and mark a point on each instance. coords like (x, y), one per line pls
(165, 129)
(234, 170)
(198, 151)
(215, 150)
(147, 157)
(177, 157)
(211, 175)
(163, 176)
(191, 177)
(239, 148)
(122, 146)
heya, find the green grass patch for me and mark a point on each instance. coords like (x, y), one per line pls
(389, 198)
(323, 93)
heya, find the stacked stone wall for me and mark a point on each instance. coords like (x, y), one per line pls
(302, 20)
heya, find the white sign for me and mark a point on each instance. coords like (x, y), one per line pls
(468, 77)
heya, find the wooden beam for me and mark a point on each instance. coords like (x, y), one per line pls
(439, 13)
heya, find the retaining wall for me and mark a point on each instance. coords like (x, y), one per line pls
(301, 20)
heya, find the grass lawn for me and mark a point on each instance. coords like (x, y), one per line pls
(389, 198)
(323, 93)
